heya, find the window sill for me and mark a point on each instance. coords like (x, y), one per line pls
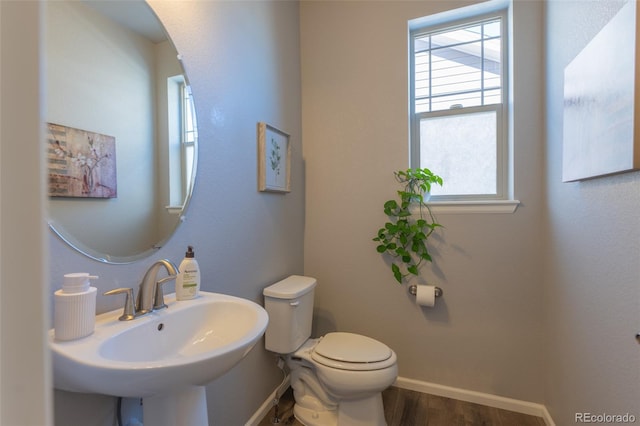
(174, 209)
(473, 207)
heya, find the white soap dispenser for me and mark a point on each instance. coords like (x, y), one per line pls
(188, 280)
(75, 307)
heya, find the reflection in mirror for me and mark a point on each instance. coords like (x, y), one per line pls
(105, 76)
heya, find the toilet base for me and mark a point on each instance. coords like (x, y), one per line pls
(311, 417)
(360, 412)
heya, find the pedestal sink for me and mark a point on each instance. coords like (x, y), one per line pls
(165, 357)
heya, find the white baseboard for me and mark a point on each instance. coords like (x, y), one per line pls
(547, 417)
(489, 400)
(268, 403)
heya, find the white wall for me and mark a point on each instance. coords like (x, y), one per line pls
(592, 252)
(242, 59)
(25, 383)
(486, 333)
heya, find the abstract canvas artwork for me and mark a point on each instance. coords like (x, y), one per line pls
(599, 111)
(81, 163)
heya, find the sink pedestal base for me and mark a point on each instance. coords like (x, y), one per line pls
(186, 407)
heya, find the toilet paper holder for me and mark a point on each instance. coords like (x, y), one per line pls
(413, 290)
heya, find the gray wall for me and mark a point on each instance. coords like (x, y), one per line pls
(486, 334)
(243, 63)
(592, 253)
(582, 252)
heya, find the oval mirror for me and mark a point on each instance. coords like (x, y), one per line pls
(121, 132)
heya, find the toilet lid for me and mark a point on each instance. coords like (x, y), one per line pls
(352, 348)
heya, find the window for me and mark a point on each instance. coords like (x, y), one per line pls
(182, 131)
(188, 139)
(459, 92)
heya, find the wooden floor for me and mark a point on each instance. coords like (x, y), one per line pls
(409, 408)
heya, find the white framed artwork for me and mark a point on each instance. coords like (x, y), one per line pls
(274, 159)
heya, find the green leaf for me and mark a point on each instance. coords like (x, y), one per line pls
(392, 204)
(419, 238)
(381, 248)
(413, 269)
(396, 272)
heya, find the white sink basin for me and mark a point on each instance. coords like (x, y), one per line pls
(188, 344)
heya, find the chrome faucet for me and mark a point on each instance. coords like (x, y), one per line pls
(150, 293)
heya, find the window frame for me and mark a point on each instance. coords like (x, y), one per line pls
(180, 184)
(187, 115)
(503, 198)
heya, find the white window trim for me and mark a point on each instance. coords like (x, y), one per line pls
(504, 201)
(469, 207)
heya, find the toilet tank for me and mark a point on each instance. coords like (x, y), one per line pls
(289, 304)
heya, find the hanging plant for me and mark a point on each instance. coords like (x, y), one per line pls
(404, 237)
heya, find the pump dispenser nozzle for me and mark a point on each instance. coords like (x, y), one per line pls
(77, 282)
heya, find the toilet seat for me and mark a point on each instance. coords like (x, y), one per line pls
(353, 352)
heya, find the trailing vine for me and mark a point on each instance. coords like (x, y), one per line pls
(404, 237)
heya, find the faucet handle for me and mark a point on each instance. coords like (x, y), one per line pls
(158, 303)
(128, 313)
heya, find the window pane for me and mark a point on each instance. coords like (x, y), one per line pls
(461, 35)
(455, 67)
(492, 29)
(189, 157)
(493, 96)
(422, 105)
(462, 149)
(492, 49)
(454, 71)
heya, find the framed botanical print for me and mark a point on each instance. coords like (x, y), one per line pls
(274, 159)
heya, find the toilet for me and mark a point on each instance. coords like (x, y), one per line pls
(337, 379)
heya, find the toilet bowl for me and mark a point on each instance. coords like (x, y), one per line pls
(337, 379)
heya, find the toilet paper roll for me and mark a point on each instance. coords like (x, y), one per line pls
(426, 295)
